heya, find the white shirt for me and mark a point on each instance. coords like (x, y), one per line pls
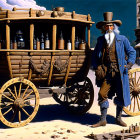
(109, 38)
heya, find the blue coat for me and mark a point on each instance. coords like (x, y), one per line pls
(123, 48)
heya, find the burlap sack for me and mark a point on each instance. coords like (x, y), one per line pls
(101, 72)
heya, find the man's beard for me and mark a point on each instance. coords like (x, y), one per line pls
(109, 36)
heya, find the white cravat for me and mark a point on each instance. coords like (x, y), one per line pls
(109, 38)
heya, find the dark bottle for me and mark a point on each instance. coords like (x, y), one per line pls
(35, 43)
(61, 42)
(76, 43)
(42, 42)
(47, 42)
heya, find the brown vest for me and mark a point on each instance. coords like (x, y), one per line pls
(110, 56)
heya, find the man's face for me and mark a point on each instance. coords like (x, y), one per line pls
(109, 27)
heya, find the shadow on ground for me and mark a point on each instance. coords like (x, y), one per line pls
(58, 112)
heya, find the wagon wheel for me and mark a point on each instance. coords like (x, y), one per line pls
(19, 102)
(79, 97)
(134, 82)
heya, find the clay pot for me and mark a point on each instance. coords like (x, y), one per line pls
(61, 9)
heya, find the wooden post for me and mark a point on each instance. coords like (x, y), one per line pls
(54, 37)
(31, 46)
(89, 36)
(73, 37)
(73, 14)
(54, 30)
(31, 36)
(7, 36)
(8, 47)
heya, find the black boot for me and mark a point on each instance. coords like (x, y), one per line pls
(102, 121)
(118, 117)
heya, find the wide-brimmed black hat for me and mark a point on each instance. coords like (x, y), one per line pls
(108, 20)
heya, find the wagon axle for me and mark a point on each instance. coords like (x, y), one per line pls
(19, 102)
(136, 91)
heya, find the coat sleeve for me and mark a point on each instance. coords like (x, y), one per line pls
(130, 51)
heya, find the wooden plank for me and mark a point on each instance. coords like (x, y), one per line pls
(22, 53)
(8, 47)
(26, 62)
(54, 31)
(22, 71)
(51, 70)
(20, 75)
(73, 37)
(9, 65)
(31, 35)
(13, 57)
(7, 36)
(14, 67)
(45, 51)
(89, 36)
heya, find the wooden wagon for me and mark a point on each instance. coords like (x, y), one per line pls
(41, 48)
(28, 61)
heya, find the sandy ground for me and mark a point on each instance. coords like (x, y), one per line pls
(52, 120)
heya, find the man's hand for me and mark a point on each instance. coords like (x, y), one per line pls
(128, 66)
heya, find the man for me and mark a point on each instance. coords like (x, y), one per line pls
(113, 57)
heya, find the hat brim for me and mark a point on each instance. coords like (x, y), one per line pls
(102, 23)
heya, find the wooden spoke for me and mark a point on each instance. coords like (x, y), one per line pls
(7, 105)
(130, 107)
(132, 98)
(139, 97)
(19, 116)
(131, 84)
(25, 112)
(138, 104)
(28, 95)
(15, 90)
(25, 91)
(134, 105)
(7, 111)
(32, 105)
(133, 81)
(19, 90)
(11, 92)
(7, 97)
(138, 80)
(75, 101)
(29, 99)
